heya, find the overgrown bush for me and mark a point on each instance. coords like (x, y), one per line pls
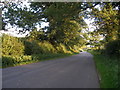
(113, 48)
(12, 45)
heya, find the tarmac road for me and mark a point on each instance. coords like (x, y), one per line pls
(77, 71)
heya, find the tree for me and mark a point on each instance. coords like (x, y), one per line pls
(107, 22)
(65, 20)
(27, 17)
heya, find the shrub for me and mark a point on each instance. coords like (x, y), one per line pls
(12, 45)
(61, 48)
(36, 47)
(8, 60)
(28, 47)
(32, 47)
(47, 47)
(113, 48)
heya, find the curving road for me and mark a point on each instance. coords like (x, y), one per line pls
(77, 71)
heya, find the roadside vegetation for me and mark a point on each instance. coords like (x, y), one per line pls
(107, 63)
(19, 51)
(107, 68)
(9, 61)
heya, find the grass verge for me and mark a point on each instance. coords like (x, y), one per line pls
(108, 70)
(9, 61)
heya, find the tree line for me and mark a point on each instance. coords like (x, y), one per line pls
(66, 23)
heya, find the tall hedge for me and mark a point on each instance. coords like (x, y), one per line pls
(113, 48)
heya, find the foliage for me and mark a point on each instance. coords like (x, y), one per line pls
(37, 35)
(113, 48)
(65, 24)
(61, 48)
(17, 13)
(47, 47)
(28, 47)
(36, 47)
(12, 45)
(75, 49)
(18, 51)
(32, 47)
(8, 60)
(107, 22)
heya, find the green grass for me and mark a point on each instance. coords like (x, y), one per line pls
(108, 70)
(9, 61)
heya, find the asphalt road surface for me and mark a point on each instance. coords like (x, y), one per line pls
(77, 71)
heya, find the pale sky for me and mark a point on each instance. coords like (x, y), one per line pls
(90, 26)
